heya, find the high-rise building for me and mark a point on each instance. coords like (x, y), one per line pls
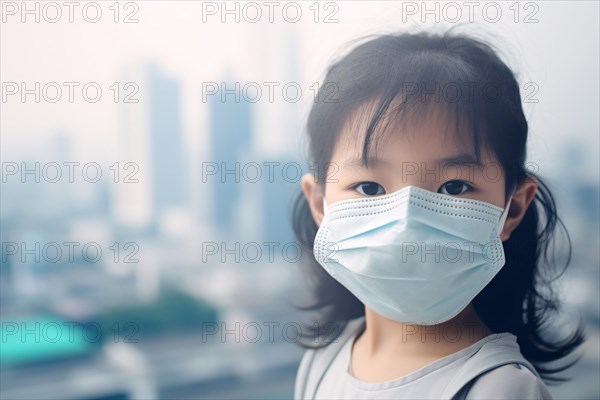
(166, 142)
(151, 150)
(231, 135)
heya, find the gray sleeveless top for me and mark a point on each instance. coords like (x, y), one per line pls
(492, 368)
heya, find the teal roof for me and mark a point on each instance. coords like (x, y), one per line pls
(42, 337)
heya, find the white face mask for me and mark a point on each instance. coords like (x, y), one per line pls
(413, 256)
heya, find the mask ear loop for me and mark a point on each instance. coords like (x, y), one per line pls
(504, 215)
(324, 206)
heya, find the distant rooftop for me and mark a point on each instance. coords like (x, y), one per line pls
(40, 337)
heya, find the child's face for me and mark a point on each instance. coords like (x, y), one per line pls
(420, 155)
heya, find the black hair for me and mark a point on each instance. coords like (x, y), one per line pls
(413, 69)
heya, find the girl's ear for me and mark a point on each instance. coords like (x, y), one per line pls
(521, 200)
(314, 196)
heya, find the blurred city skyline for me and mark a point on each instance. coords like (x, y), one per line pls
(280, 52)
(162, 200)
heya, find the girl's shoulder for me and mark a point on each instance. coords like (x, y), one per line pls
(315, 361)
(510, 381)
(498, 370)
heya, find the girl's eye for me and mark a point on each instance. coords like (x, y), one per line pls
(370, 188)
(454, 188)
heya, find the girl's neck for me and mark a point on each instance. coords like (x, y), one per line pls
(386, 336)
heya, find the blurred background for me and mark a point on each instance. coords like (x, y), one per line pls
(150, 150)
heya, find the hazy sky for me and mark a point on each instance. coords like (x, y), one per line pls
(559, 54)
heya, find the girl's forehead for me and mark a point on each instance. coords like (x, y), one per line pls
(431, 134)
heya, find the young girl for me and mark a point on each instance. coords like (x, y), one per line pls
(426, 232)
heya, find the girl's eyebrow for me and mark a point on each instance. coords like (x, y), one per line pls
(460, 159)
(373, 161)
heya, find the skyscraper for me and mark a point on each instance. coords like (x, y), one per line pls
(166, 147)
(152, 160)
(231, 134)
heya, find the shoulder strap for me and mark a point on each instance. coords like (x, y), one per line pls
(322, 359)
(488, 357)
